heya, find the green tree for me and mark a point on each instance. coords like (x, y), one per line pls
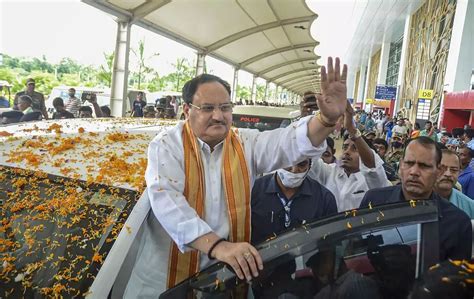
(142, 60)
(157, 83)
(260, 90)
(104, 75)
(68, 66)
(184, 72)
(71, 80)
(243, 92)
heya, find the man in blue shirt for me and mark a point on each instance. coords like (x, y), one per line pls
(466, 178)
(450, 164)
(419, 170)
(280, 201)
(288, 198)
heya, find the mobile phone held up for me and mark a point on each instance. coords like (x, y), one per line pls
(87, 96)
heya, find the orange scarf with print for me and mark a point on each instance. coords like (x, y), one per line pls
(236, 181)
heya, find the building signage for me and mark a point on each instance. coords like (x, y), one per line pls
(425, 94)
(369, 101)
(385, 92)
(423, 109)
(382, 103)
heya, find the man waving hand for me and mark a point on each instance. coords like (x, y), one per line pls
(200, 174)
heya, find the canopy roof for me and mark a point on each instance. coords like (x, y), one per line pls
(268, 38)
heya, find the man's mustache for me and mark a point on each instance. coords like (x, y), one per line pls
(446, 180)
(217, 123)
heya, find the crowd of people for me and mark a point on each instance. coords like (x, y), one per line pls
(29, 105)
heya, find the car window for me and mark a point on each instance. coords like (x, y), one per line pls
(259, 122)
(56, 232)
(367, 253)
(375, 264)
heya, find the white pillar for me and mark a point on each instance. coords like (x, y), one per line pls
(384, 54)
(254, 89)
(265, 97)
(235, 84)
(360, 90)
(461, 49)
(200, 64)
(119, 89)
(277, 95)
(403, 60)
(350, 83)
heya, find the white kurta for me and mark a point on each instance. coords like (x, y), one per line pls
(349, 190)
(175, 220)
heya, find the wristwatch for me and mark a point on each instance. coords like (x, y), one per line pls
(356, 135)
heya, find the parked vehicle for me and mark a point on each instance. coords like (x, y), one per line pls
(263, 117)
(103, 96)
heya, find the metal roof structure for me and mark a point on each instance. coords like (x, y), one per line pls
(268, 38)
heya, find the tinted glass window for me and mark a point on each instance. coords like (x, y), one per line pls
(56, 232)
(375, 264)
(259, 122)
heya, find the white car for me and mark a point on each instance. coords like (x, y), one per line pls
(72, 202)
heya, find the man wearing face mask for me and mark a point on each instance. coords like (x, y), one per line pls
(286, 199)
(280, 201)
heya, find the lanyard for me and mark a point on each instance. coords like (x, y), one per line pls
(286, 207)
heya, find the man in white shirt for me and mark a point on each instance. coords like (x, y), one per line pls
(360, 170)
(205, 228)
(400, 129)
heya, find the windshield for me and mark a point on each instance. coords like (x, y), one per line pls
(56, 232)
(259, 122)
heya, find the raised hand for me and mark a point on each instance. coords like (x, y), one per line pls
(349, 122)
(333, 99)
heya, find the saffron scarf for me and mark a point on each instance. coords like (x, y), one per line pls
(236, 181)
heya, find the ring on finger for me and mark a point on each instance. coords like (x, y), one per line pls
(247, 255)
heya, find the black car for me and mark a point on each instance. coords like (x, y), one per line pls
(367, 253)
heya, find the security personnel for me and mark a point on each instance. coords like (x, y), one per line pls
(37, 98)
(419, 170)
(288, 198)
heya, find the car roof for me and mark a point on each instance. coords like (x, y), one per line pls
(267, 111)
(109, 151)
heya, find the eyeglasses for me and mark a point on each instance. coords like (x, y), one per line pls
(208, 108)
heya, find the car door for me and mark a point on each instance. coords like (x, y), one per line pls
(367, 253)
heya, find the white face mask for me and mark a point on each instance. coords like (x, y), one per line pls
(290, 179)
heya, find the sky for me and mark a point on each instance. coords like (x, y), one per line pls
(70, 28)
